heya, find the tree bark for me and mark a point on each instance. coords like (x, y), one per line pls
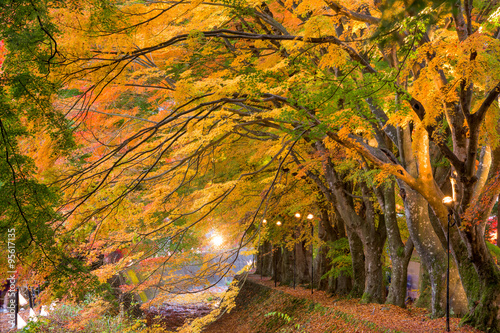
(428, 247)
(358, 263)
(371, 236)
(399, 252)
(331, 229)
(484, 313)
(303, 264)
(498, 221)
(372, 242)
(374, 287)
(264, 260)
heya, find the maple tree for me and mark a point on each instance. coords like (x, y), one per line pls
(28, 206)
(188, 114)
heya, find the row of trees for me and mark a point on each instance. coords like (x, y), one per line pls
(193, 118)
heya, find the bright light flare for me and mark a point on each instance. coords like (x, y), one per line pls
(297, 215)
(217, 240)
(278, 223)
(310, 216)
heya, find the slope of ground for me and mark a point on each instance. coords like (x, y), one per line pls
(262, 308)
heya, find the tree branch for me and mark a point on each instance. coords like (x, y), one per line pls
(341, 10)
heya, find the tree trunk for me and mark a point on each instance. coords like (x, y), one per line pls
(302, 264)
(424, 300)
(276, 263)
(458, 285)
(286, 267)
(400, 253)
(371, 237)
(498, 221)
(364, 226)
(358, 263)
(428, 247)
(326, 234)
(374, 286)
(264, 260)
(331, 229)
(399, 274)
(485, 312)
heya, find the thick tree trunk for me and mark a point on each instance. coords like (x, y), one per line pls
(276, 263)
(363, 224)
(326, 234)
(373, 245)
(371, 237)
(400, 253)
(485, 312)
(286, 267)
(433, 254)
(399, 274)
(303, 264)
(264, 260)
(460, 288)
(374, 287)
(428, 247)
(358, 263)
(424, 299)
(331, 229)
(322, 267)
(428, 238)
(498, 221)
(259, 269)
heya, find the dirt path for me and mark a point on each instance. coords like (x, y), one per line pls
(391, 317)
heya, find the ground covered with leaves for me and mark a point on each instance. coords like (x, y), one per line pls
(262, 308)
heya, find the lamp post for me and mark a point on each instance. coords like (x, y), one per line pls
(264, 221)
(310, 217)
(297, 215)
(275, 263)
(448, 202)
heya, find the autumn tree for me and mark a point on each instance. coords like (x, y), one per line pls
(29, 124)
(409, 90)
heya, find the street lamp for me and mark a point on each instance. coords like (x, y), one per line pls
(310, 217)
(297, 215)
(448, 202)
(264, 221)
(275, 263)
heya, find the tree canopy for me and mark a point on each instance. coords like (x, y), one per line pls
(190, 119)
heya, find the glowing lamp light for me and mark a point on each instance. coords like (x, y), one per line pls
(297, 215)
(310, 216)
(264, 221)
(278, 223)
(448, 202)
(217, 240)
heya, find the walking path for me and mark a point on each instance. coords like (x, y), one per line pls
(385, 316)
